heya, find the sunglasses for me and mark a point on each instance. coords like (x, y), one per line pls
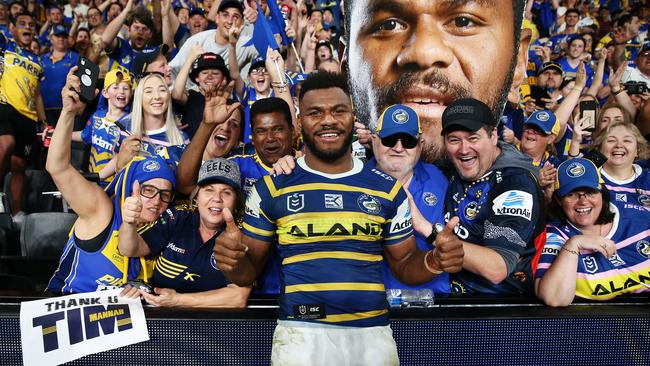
(150, 191)
(408, 141)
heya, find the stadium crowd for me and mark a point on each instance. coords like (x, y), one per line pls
(318, 150)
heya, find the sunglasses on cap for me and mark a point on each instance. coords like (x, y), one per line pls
(150, 191)
(408, 141)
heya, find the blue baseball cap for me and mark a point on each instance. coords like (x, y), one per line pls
(545, 120)
(59, 30)
(577, 173)
(398, 118)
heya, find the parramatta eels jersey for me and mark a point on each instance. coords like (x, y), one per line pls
(330, 230)
(630, 193)
(600, 278)
(20, 78)
(104, 138)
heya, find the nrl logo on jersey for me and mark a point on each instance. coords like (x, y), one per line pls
(295, 202)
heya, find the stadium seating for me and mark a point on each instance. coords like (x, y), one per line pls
(45, 234)
(36, 182)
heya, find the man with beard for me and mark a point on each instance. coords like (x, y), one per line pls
(427, 54)
(333, 219)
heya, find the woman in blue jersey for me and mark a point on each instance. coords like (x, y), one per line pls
(90, 259)
(594, 249)
(152, 120)
(182, 241)
(623, 145)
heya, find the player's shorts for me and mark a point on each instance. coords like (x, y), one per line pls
(304, 344)
(22, 128)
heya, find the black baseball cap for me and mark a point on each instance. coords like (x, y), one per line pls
(467, 114)
(225, 4)
(550, 65)
(144, 58)
(197, 10)
(207, 61)
(257, 62)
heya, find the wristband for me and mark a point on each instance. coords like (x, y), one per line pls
(426, 264)
(569, 250)
(619, 91)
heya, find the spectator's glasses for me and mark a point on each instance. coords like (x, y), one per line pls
(149, 191)
(259, 71)
(575, 196)
(408, 141)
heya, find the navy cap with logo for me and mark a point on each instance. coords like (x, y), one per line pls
(60, 30)
(197, 11)
(545, 120)
(257, 62)
(577, 173)
(208, 61)
(146, 57)
(551, 65)
(467, 114)
(398, 119)
(220, 170)
(226, 4)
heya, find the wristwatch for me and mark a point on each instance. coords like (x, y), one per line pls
(435, 229)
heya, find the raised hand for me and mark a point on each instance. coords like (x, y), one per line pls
(132, 206)
(195, 51)
(250, 11)
(581, 76)
(70, 93)
(233, 34)
(228, 250)
(284, 165)
(547, 175)
(448, 254)
(216, 110)
(274, 58)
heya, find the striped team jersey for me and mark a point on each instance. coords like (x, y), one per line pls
(104, 138)
(600, 278)
(252, 169)
(330, 230)
(630, 193)
(20, 78)
(82, 271)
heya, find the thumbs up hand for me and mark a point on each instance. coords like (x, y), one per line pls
(228, 250)
(448, 254)
(132, 206)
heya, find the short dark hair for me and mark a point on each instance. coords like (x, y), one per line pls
(626, 18)
(605, 217)
(572, 10)
(323, 80)
(270, 105)
(23, 13)
(142, 15)
(116, 3)
(242, 117)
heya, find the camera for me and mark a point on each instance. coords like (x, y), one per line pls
(635, 87)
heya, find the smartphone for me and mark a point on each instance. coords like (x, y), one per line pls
(588, 110)
(88, 73)
(596, 157)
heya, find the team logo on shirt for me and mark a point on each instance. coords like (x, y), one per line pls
(151, 166)
(643, 247)
(126, 60)
(334, 201)
(213, 262)
(616, 260)
(295, 202)
(590, 264)
(644, 200)
(514, 203)
(471, 210)
(369, 204)
(429, 198)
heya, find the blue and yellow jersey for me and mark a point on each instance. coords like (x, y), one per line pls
(598, 277)
(20, 78)
(331, 230)
(571, 72)
(123, 55)
(104, 138)
(183, 261)
(156, 143)
(252, 169)
(629, 193)
(632, 47)
(82, 271)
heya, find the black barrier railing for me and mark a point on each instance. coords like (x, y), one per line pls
(477, 331)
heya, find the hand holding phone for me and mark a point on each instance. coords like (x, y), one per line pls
(588, 110)
(88, 73)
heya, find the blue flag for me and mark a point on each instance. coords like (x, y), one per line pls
(262, 35)
(277, 21)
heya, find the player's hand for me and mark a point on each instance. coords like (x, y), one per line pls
(284, 165)
(228, 250)
(164, 297)
(448, 254)
(363, 134)
(216, 111)
(132, 206)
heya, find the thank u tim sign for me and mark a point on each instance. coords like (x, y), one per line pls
(62, 329)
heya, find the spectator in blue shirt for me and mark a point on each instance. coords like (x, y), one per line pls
(56, 65)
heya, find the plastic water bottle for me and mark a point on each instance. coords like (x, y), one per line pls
(403, 298)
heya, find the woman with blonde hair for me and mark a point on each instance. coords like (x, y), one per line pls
(153, 128)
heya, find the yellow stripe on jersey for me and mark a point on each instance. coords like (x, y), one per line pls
(312, 227)
(19, 84)
(612, 286)
(332, 255)
(257, 231)
(335, 286)
(353, 316)
(329, 187)
(168, 268)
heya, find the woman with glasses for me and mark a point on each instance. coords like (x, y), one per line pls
(182, 241)
(152, 120)
(90, 259)
(594, 249)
